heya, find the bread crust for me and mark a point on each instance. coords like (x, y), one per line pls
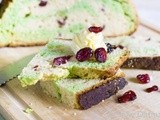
(101, 83)
(151, 63)
(100, 92)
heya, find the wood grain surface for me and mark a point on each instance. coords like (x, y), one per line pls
(14, 99)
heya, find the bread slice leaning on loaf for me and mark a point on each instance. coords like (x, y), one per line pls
(144, 52)
(41, 67)
(32, 22)
(84, 93)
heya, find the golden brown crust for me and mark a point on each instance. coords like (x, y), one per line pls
(23, 44)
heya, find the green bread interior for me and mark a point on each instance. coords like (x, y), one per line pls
(139, 46)
(57, 48)
(66, 90)
(25, 20)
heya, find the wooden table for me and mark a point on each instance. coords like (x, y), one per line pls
(14, 99)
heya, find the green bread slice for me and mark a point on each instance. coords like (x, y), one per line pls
(41, 67)
(83, 93)
(25, 23)
(144, 52)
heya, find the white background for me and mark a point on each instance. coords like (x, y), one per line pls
(149, 11)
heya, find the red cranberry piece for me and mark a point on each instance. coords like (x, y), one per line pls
(127, 96)
(153, 88)
(143, 78)
(61, 60)
(95, 29)
(36, 66)
(101, 55)
(42, 3)
(84, 54)
(120, 46)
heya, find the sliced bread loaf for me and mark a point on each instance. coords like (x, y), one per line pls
(35, 22)
(83, 93)
(144, 52)
(41, 66)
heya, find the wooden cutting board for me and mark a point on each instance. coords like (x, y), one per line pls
(14, 99)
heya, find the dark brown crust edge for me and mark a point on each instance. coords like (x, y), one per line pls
(102, 92)
(150, 63)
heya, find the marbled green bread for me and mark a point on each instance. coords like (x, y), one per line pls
(144, 52)
(41, 66)
(24, 22)
(83, 93)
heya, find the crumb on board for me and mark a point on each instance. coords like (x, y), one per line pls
(74, 113)
(49, 107)
(28, 110)
(30, 104)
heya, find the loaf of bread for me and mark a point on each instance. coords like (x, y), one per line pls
(83, 93)
(41, 66)
(35, 22)
(144, 52)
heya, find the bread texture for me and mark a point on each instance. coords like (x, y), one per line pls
(83, 93)
(27, 23)
(41, 67)
(144, 52)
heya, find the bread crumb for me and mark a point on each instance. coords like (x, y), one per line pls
(74, 113)
(28, 110)
(64, 113)
(30, 104)
(49, 107)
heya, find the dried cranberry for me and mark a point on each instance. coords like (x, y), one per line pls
(42, 3)
(127, 96)
(153, 88)
(120, 46)
(95, 29)
(84, 54)
(110, 47)
(100, 54)
(61, 60)
(143, 78)
(36, 66)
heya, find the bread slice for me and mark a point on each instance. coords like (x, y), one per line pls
(26, 22)
(41, 66)
(144, 52)
(83, 93)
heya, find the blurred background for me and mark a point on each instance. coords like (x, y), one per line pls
(149, 11)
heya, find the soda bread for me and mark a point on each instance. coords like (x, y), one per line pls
(83, 93)
(144, 52)
(35, 22)
(41, 66)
